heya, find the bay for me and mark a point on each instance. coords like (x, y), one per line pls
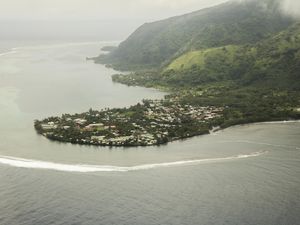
(242, 175)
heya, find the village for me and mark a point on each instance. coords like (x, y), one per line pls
(151, 122)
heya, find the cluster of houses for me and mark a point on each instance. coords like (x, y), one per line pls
(166, 113)
(157, 123)
(49, 126)
(132, 140)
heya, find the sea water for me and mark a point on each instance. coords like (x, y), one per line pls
(242, 175)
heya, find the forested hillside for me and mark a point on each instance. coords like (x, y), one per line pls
(232, 23)
(273, 62)
(235, 63)
(241, 56)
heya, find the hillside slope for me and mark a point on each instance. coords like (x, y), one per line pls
(156, 44)
(273, 62)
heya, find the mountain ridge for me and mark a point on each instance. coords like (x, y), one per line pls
(241, 66)
(274, 62)
(158, 43)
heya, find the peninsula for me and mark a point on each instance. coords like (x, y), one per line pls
(220, 67)
(151, 122)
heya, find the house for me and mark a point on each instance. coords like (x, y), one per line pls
(94, 126)
(49, 126)
(97, 138)
(80, 121)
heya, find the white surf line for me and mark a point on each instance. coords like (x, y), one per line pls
(262, 143)
(81, 168)
(257, 123)
(61, 45)
(280, 122)
(12, 51)
(50, 46)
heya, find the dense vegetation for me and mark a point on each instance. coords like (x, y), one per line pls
(183, 114)
(246, 105)
(151, 122)
(235, 63)
(232, 23)
(273, 62)
(253, 82)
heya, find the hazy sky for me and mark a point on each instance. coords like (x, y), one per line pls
(93, 19)
(104, 19)
(98, 9)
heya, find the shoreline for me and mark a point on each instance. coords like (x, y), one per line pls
(151, 122)
(159, 122)
(211, 132)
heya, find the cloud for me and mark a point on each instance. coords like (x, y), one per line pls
(291, 7)
(105, 19)
(168, 3)
(288, 7)
(98, 17)
(98, 9)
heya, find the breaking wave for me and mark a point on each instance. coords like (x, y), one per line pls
(81, 168)
(13, 51)
(279, 122)
(262, 143)
(51, 46)
(62, 45)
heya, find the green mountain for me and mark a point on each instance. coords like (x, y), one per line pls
(254, 82)
(241, 58)
(232, 23)
(273, 62)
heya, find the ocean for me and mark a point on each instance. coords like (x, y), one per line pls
(246, 174)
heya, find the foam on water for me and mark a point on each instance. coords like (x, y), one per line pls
(262, 143)
(81, 168)
(279, 122)
(50, 46)
(62, 45)
(13, 51)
